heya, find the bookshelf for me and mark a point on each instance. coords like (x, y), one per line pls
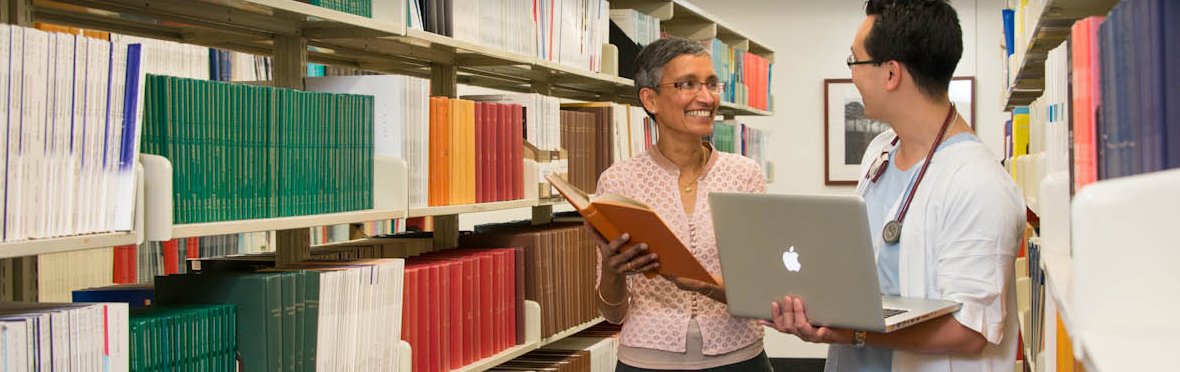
(1046, 24)
(34, 247)
(683, 19)
(296, 33)
(1105, 250)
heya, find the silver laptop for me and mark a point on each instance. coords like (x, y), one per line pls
(816, 247)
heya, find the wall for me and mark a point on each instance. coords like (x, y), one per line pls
(811, 40)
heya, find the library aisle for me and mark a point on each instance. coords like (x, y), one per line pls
(277, 185)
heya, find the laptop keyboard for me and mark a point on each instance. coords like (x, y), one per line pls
(892, 312)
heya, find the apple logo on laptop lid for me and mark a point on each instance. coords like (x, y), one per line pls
(791, 260)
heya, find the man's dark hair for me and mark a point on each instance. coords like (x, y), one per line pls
(924, 35)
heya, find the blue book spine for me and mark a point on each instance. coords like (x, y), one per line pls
(214, 64)
(1170, 42)
(132, 95)
(1010, 31)
(1151, 137)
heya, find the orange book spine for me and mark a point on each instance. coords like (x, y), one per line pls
(444, 161)
(432, 155)
(469, 152)
(455, 164)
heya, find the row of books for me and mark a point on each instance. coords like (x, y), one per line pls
(401, 118)
(318, 70)
(183, 337)
(244, 152)
(1105, 112)
(281, 316)
(641, 28)
(64, 336)
(225, 65)
(1138, 123)
(72, 105)
(570, 32)
(599, 344)
(463, 305)
(475, 152)
(363, 8)
(1036, 275)
(746, 75)
(142, 263)
(397, 246)
(59, 274)
(559, 264)
(610, 133)
(738, 138)
(1040, 133)
(313, 315)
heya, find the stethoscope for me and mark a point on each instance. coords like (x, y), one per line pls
(892, 230)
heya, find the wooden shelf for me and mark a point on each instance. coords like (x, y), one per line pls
(282, 223)
(470, 208)
(1049, 30)
(67, 244)
(243, 25)
(571, 331)
(730, 35)
(733, 109)
(532, 342)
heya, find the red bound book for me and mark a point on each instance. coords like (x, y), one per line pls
(506, 152)
(517, 152)
(498, 305)
(466, 327)
(487, 335)
(498, 153)
(171, 253)
(518, 296)
(433, 326)
(454, 312)
(410, 310)
(193, 247)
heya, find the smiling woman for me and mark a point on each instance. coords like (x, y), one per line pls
(677, 323)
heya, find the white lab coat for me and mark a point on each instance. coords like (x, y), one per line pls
(958, 242)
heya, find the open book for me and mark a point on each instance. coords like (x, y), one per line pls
(613, 214)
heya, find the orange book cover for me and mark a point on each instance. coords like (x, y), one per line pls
(445, 152)
(455, 145)
(469, 152)
(432, 154)
(612, 214)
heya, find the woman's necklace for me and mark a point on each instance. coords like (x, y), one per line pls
(693, 184)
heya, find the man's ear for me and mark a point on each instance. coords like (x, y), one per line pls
(648, 97)
(896, 72)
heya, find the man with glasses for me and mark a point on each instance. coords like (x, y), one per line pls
(946, 219)
(674, 323)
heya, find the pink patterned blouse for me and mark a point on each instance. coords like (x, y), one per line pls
(659, 314)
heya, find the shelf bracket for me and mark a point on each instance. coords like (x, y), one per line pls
(444, 80)
(290, 61)
(293, 245)
(446, 231)
(17, 12)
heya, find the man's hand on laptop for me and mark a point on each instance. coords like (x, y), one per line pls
(790, 316)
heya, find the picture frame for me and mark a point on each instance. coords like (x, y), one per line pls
(847, 132)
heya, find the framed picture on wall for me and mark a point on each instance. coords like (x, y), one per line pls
(847, 132)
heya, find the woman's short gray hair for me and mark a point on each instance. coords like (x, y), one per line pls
(651, 60)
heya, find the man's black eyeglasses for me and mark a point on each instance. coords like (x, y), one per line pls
(853, 62)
